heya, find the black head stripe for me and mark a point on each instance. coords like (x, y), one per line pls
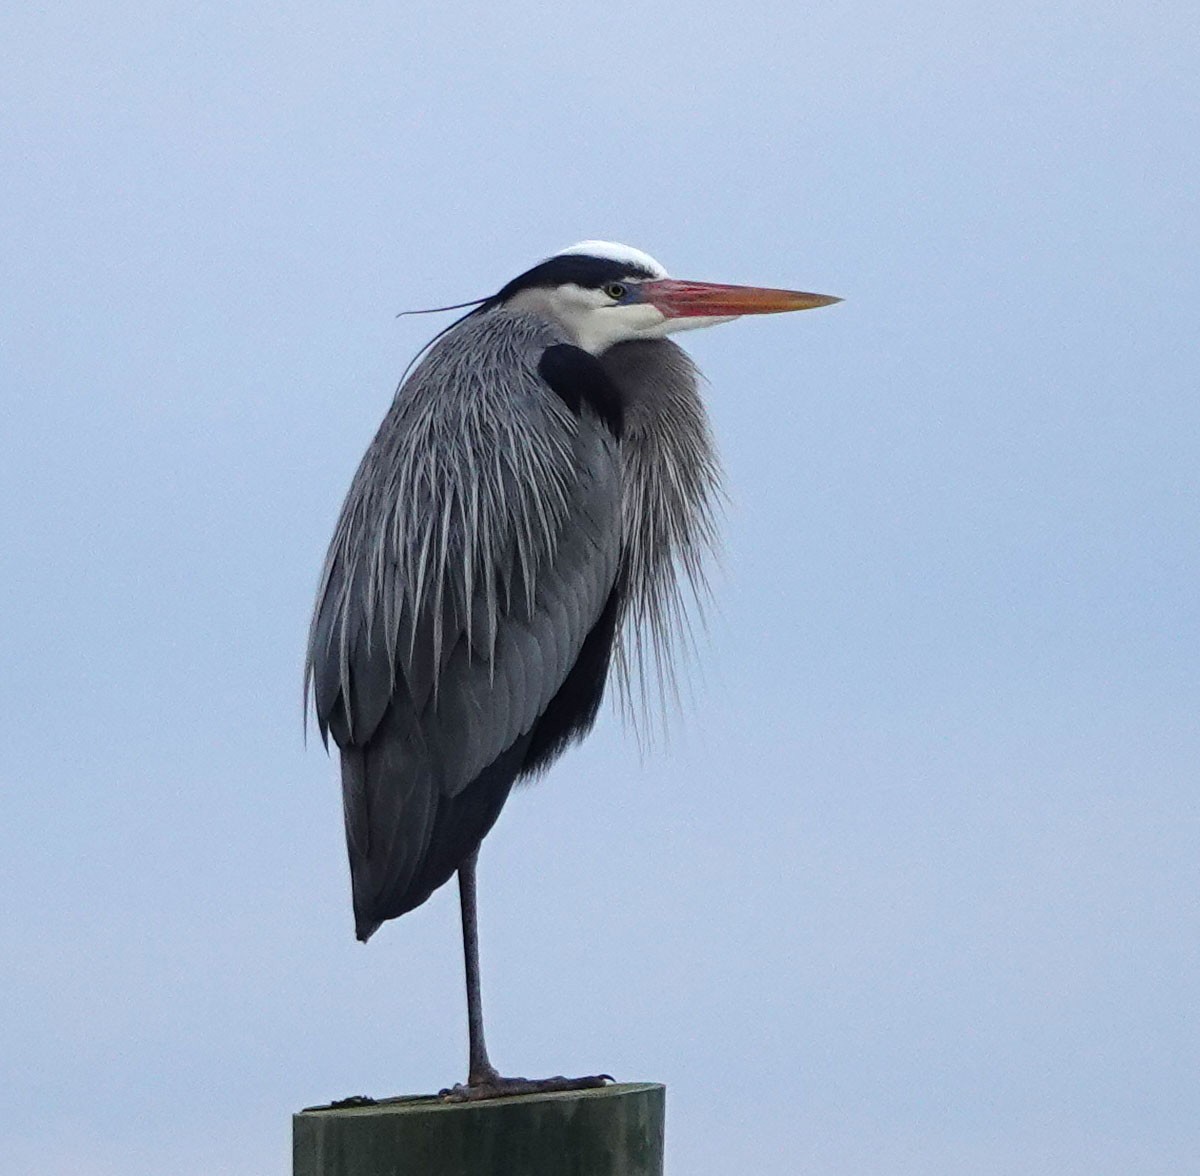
(576, 268)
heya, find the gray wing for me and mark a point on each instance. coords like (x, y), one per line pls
(476, 551)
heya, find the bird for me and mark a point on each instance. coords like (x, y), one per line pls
(534, 516)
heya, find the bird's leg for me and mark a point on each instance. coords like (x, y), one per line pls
(481, 1070)
(483, 1081)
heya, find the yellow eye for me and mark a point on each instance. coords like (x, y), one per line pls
(615, 291)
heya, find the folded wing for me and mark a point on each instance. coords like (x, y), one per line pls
(466, 612)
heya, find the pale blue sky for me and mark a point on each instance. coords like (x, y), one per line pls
(913, 889)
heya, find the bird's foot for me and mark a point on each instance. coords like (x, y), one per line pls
(492, 1085)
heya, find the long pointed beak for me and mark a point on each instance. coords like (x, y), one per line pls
(679, 299)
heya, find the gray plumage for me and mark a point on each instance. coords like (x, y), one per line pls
(489, 532)
(670, 488)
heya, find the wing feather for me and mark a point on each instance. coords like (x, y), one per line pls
(476, 550)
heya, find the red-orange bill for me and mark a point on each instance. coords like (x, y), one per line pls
(679, 299)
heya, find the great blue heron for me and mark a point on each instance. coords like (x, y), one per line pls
(532, 510)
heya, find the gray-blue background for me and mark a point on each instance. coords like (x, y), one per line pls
(913, 887)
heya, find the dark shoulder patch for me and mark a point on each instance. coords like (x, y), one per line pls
(577, 377)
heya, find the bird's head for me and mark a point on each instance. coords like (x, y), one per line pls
(604, 293)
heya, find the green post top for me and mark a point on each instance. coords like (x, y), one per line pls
(611, 1131)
